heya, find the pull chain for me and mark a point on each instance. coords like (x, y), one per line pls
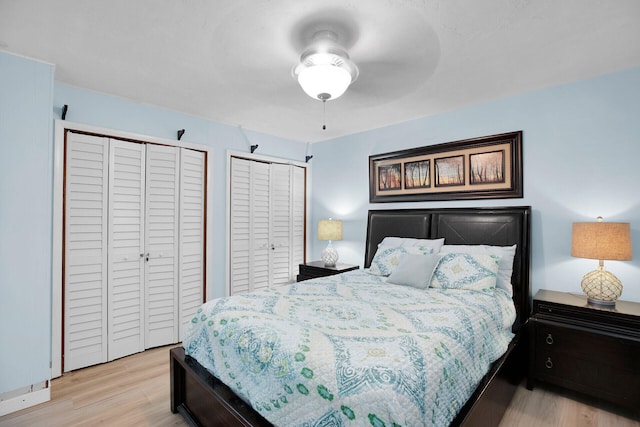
(324, 114)
(323, 97)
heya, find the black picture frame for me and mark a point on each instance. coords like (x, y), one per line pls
(488, 167)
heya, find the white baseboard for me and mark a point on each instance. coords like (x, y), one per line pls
(24, 401)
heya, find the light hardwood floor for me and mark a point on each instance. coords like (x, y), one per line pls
(546, 407)
(134, 391)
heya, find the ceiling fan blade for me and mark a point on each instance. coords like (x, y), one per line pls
(392, 79)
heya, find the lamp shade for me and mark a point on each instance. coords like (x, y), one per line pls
(324, 81)
(601, 240)
(329, 229)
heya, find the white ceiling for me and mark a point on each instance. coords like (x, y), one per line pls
(230, 61)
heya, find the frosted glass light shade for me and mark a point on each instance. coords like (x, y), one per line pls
(324, 81)
(325, 70)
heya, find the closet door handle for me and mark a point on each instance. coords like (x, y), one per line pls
(146, 258)
(548, 363)
(549, 339)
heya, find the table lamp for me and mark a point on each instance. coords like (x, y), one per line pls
(602, 241)
(329, 229)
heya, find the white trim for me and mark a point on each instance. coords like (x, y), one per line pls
(24, 401)
(56, 268)
(114, 133)
(58, 181)
(260, 157)
(209, 226)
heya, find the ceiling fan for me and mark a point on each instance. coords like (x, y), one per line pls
(339, 46)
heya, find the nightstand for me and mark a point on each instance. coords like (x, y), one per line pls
(314, 269)
(587, 348)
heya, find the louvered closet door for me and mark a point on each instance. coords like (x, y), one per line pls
(85, 258)
(287, 222)
(298, 209)
(162, 199)
(249, 224)
(260, 249)
(192, 238)
(240, 226)
(267, 224)
(280, 224)
(126, 246)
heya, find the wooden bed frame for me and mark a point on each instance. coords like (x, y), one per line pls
(203, 400)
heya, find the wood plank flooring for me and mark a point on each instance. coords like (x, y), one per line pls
(134, 391)
(545, 406)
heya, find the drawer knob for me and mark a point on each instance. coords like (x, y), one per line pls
(548, 363)
(549, 339)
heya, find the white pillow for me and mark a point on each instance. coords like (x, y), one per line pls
(394, 242)
(414, 270)
(506, 254)
(476, 272)
(386, 260)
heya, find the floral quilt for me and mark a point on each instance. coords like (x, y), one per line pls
(353, 350)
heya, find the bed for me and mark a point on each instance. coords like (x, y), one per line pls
(204, 400)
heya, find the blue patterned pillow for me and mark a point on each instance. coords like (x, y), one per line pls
(385, 261)
(466, 271)
(506, 254)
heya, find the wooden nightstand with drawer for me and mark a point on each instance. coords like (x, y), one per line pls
(587, 348)
(315, 269)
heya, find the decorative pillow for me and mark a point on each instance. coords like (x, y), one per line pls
(506, 254)
(394, 242)
(414, 270)
(385, 261)
(476, 272)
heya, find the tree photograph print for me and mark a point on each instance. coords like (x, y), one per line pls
(389, 177)
(487, 168)
(449, 171)
(417, 174)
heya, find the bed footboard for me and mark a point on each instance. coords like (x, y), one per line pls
(203, 400)
(493, 395)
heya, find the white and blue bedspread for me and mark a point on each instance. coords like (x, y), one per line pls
(352, 350)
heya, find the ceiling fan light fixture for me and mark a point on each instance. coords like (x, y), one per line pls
(325, 70)
(324, 82)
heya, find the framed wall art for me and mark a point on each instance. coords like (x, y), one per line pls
(488, 167)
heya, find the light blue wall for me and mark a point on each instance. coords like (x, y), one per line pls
(29, 103)
(110, 112)
(581, 156)
(581, 148)
(26, 170)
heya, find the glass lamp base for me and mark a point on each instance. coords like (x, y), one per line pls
(329, 256)
(601, 287)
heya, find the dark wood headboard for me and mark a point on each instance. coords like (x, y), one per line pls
(500, 226)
